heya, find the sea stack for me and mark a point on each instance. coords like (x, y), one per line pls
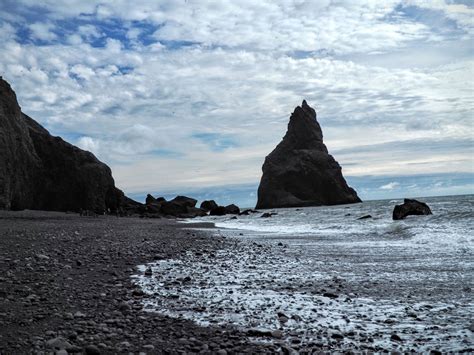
(299, 171)
(40, 171)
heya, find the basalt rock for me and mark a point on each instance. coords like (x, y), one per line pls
(232, 209)
(40, 171)
(178, 206)
(218, 211)
(410, 207)
(299, 171)
(208, 205)
(150, 199)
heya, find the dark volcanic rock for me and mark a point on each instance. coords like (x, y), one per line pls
(247, 212)
(218, 211)
(178, 206)
(194, 212)
(153, 205)
(410, 207)
(300, 171)
(209, 205)
(150, 199)
(39, 171)
(232, 209)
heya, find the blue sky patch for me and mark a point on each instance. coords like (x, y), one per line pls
(217, 141)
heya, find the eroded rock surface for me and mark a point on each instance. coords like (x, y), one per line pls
(410, 207)
(300, 171)
(40, 171)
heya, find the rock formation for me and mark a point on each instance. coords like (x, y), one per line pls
(300, 171)
(208, 205)
(178, 206)
(232, 209)
(39, 171)
(410, 207)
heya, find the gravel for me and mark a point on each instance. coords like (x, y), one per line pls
(65, 286)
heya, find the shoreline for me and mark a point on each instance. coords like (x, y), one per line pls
(225, 290)
(67, 284)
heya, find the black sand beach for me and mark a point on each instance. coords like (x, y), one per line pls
(66, 285)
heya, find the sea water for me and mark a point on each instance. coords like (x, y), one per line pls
(320, 276)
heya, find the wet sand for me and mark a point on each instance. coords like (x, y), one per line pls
(65, 284)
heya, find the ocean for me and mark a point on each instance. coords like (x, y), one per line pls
(320, 277)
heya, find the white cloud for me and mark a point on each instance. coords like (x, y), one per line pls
(390, 186)
(43, 31)
(89, 144)
(137, 106)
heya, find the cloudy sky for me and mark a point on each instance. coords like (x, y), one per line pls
(189, 96)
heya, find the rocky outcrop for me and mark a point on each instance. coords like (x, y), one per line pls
(39, 171)
(300, 171)
(218, 211)
(208, 205)
(177, 206)
(410, 207)
(150, 199)
(232, 209)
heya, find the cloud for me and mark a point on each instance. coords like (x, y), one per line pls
(197, 94)
(42, 31)
(390, 186)
(89, 144)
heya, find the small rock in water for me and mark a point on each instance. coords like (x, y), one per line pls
(395, 337)
(148, 272)
(330, 295)
(296, 318)
(367, 216)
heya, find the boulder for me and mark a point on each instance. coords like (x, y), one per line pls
(247, 212)
(149, 199)
(299, 171)
(410, 207)
(153, 207)
(218, 211)
(192, 212)
(185, 201)
(209, 205)
(232, 209)
(177, 206)
(40, 171)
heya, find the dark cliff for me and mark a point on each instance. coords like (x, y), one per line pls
(40, 171)
(299, 171)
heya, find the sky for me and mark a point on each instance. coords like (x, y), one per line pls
(189, 96)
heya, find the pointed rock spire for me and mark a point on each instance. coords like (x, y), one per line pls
(300, 171)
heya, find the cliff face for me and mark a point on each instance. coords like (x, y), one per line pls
(300, 171)
(39, 171)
